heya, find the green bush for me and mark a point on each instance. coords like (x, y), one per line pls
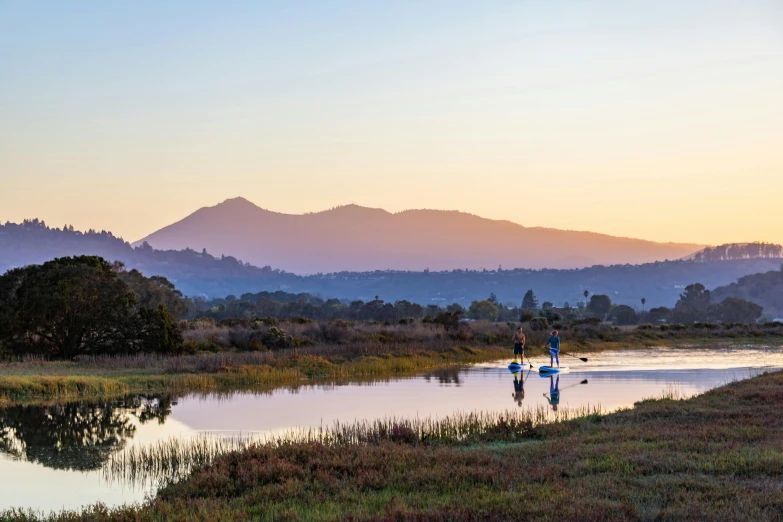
(538, 324)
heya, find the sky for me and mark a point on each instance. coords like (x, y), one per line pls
(655, 119)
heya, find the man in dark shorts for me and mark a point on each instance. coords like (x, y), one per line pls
(519, 345)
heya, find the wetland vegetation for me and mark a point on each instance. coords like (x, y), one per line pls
(711, 457)
(264, 354)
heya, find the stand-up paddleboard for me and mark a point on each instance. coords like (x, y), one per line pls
(514, 367)
(552, 370)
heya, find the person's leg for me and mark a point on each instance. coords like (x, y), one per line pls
(557, 358)
(551, 355)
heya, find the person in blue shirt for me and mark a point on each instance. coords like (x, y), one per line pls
(554, 348)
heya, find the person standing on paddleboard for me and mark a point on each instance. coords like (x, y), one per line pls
(554, 348)
(519, 345)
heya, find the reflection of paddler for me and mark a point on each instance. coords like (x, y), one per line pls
(554, 392)
(519, 389)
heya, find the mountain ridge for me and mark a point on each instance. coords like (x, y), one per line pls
(197, 273)
(356, 238)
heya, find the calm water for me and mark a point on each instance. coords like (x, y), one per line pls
(51, 456)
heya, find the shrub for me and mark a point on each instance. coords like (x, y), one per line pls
(241, 322)
(589, 321)
(449, 321)
(706, 326)
(539, 324)
(342, 323)
(526, 316)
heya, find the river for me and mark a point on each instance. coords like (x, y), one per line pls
(51, 456)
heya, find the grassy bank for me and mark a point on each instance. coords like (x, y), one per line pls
(713, 457)
(253, 354)
(146, 374)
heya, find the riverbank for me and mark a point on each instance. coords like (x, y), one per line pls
(107, 377)
(100, 377)
(716, 456)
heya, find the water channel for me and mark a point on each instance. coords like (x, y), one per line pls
(51, 455)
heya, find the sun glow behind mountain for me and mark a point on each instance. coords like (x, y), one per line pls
(652, 119)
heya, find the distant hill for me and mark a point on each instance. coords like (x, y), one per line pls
(194, 273)
(362, 239)
(731, 251)
(764, 289)
(199, 273)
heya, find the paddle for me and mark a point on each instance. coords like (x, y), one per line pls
(566, 387)
(572, 385)
(583, 359)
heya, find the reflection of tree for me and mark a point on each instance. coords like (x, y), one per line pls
(444, 376)
(78, 436)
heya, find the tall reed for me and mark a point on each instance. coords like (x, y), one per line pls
(170, 460)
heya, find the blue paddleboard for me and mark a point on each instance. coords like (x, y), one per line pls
(552, 370)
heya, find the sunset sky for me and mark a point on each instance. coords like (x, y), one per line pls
(654, 119)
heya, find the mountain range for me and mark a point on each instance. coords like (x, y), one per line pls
(354, 238)
(198, 273)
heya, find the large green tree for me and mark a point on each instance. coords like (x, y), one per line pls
(78, 305)
(529, 301)
(624, 315)
(483, 310)
(694, 304)
(152, 292)
(600, 306)
(65, 307)
(735, 310)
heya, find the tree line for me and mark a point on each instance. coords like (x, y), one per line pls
(732, 251)
(85, 305)
(694, 305)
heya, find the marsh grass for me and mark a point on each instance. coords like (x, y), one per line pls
(170, 460)
(109, 376)
(324, 352)
(716, 456)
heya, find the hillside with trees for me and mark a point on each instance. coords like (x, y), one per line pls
(194, 273)
(731, 251)
(764, 289)
(202, 274)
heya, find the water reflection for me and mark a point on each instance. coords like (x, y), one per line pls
(76, 435)
(519, 387)
(554, 392)
(445, 376)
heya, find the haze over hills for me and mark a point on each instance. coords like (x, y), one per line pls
(200, 274)
(355, 238)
